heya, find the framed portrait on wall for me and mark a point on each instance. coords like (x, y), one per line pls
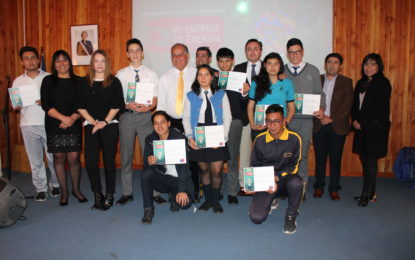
(84, 41)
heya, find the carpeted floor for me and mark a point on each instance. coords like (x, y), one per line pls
(326, 229)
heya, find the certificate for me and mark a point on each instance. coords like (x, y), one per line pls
(260, 114)
(259, 178)
(306, 104)
(141, 93)
(15, 97)
(170, 151)
(210, 136)
(231, 80)
(29, 94)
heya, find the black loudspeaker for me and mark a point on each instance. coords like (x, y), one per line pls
(12, 203)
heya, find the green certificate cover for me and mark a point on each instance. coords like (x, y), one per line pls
(223, 79)
(249, 179)
(15, 97)
(200, 136)
(131, 89)
(260, 114)
(158, 149)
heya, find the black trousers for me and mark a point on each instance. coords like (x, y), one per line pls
(194, 168)
(328, 144)
(261, 201)
(370, 171)
(153, 180)
(106, 140)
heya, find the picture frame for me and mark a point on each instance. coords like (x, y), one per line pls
(84, 41)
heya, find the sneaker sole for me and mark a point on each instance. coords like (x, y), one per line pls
(291, 232)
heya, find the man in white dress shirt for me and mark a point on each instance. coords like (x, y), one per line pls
(32, 125)
(136, 120)
(172, 90)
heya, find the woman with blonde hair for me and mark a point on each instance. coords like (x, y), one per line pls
(100, 102)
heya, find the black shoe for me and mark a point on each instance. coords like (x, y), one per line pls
(217, 208)
(41, 196)
(364, 200)
(174, 206)
(159, 200)
(99, 201)
(290, 225)
(80, 197)
(55, 191)
(205, 206)
(109, 201)
(124, 199)
(232, 199)
(148, 216)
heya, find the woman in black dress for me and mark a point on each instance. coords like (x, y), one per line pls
(370, 119)
(62, 123)
(207, 105)
(100, 101)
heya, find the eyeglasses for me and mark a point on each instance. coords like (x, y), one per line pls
(295, 52)
(270, 122)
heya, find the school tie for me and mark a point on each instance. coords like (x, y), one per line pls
(295, 70)
(253, 73)
(137, 77)
(179, 94)
(208, 111)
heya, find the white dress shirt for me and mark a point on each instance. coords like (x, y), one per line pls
(168, 89)
(301, 67)
(31, 115)
(227, 115)
(127, 74)
(328, 90)
(249, 70)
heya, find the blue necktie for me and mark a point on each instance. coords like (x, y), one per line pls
(137, 77)
(295, 70)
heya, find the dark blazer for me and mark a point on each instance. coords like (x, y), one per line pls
(340, 106)
(373, 117)
(184, 174)
(242, 68)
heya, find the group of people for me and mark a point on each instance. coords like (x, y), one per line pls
(186, 97)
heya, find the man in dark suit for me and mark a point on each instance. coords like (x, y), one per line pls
(253, 52)
(84, 47)
(329, 133)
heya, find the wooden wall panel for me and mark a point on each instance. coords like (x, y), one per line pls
(359, 27)
(385, 27)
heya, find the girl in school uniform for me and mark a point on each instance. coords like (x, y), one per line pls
(207, 105)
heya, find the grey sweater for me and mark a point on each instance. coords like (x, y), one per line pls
(307, 82)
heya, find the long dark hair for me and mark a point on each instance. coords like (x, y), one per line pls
(196, 85)
(55, 57)
(262, 80)
(378, 59)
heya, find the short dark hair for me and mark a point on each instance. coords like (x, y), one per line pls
(160, 113)
(181, 45)
(26, 49)
(275, 108)
(205, 48)
(254, 40)
(294, 41)
(225, 53)
(378, 59)
(334, 55)
(134, 41)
